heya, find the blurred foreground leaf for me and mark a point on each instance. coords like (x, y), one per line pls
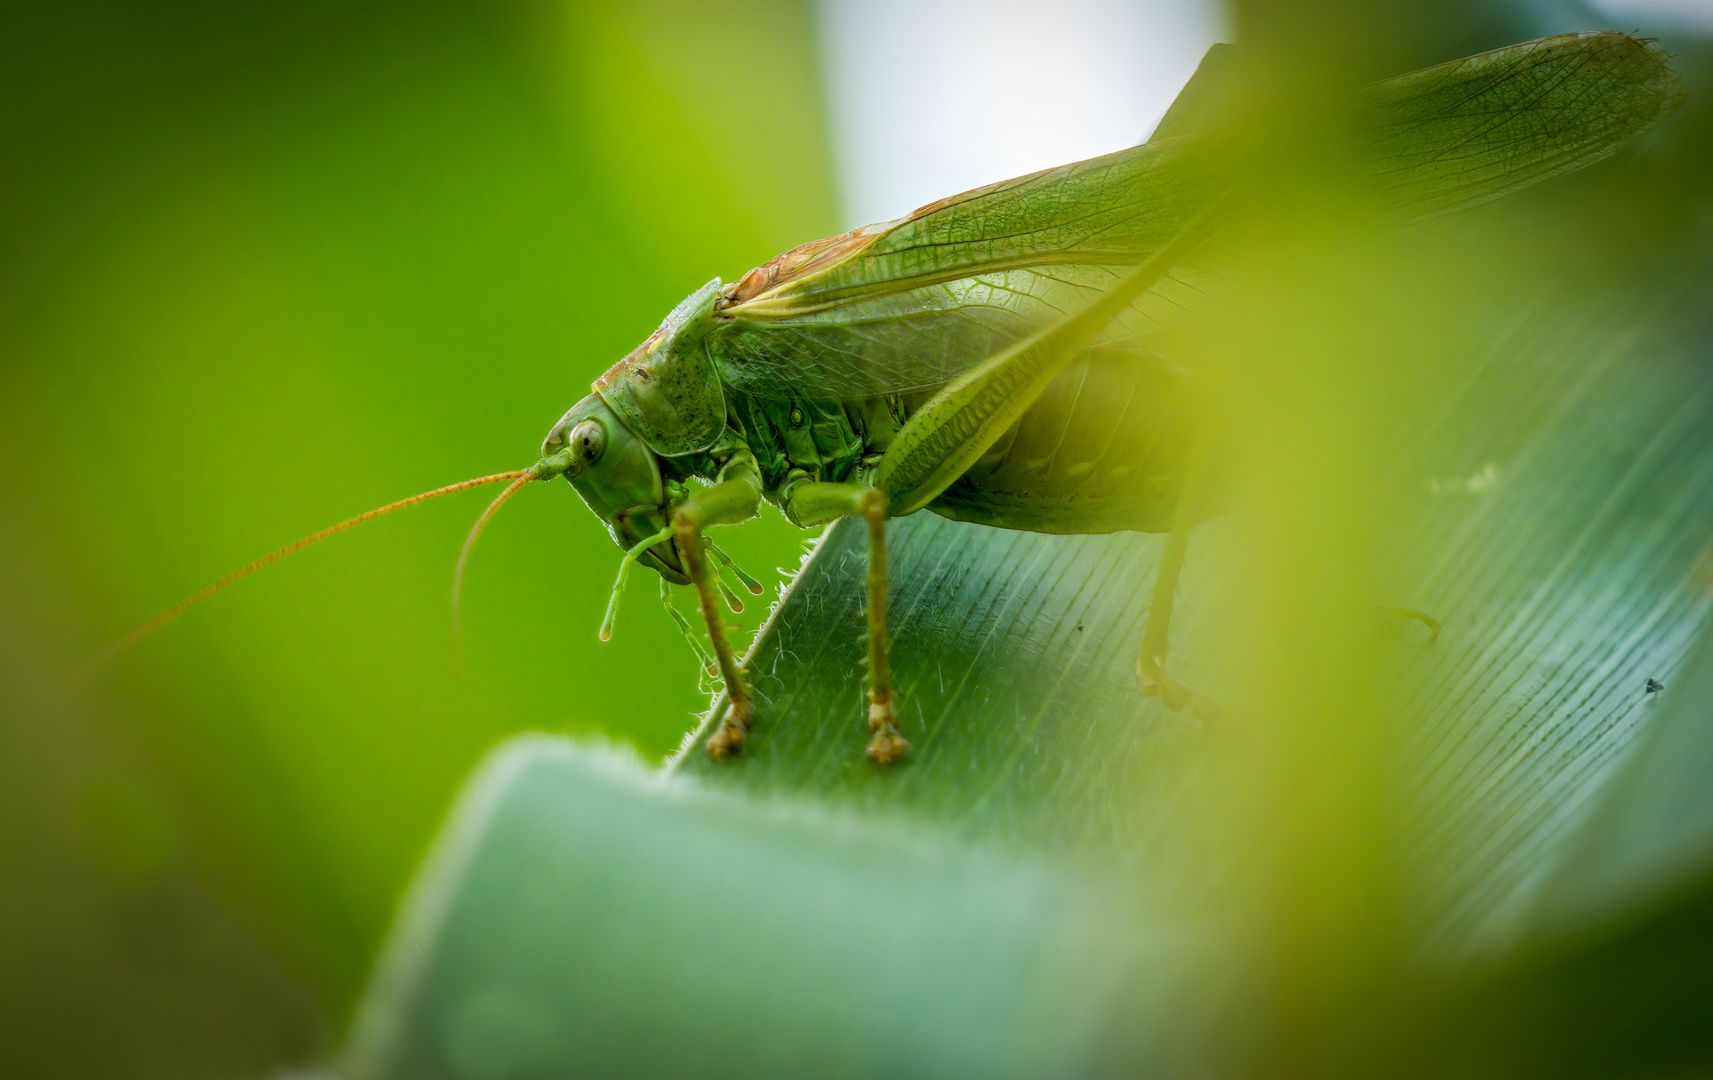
(585, 916)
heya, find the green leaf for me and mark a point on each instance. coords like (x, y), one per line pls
(583, 915)
(1013, 657)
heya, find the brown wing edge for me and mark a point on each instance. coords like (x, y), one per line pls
(806, 260)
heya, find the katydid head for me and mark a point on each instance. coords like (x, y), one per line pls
(618, 476)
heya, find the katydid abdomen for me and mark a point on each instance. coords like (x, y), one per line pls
(1103, 449)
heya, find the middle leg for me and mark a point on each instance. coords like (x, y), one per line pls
(811, 503)
(887, 745)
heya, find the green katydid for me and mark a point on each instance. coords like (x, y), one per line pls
(986, 357)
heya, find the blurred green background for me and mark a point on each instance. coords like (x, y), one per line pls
(266, 266)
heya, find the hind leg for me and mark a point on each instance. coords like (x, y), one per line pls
(1151, 677)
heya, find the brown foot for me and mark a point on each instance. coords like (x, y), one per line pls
(1152, 681)
(887, 745)
(729, 739)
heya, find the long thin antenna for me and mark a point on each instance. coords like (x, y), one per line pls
(202, 594)
(523, 478)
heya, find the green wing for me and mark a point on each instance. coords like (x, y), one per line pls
(907, 305)
(1460, 134)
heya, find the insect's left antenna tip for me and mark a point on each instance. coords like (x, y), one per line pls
(518, 480)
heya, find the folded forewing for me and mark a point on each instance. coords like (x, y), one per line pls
(1111, 210)
(1459, 134)
(909, 304)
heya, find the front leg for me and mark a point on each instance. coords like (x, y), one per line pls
(811, 503)
(724, 503)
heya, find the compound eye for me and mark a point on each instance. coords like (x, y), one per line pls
(588, 440)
